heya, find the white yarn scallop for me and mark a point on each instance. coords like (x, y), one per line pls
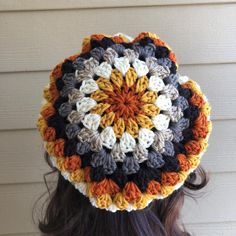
(91, 121)
(140, 67)
(88, 86)
(146, 137)
(163, 102)
(183, 79)
(108, 137)
(127, 143)
(161, 121)
(85, 104)
(122, 64)
(103, 70)
(155, 83)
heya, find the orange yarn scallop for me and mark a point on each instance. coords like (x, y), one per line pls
(193, 147)
(53, 91)
(169, 178)
(172, 56)
(59, 147)
(56, 73)
(117, 39)
(159, 42)
(87, 174)
(47, 111)
(197, 100)
(72, 163)
(154, 187)
(131, 192)
(105, 186)
(49, 134)
(99, 188)
(183, 162)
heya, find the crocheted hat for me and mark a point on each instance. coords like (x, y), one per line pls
(121, 124)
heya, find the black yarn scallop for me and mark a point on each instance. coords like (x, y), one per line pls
(67, 67)
(179, 148)
(85, 159)
(59, 101)
(185, 92)
(145, 41)
(59, 84)
(119, 177)
(59, 124)
(162, 52)
(171, 164)
(97, 174)
(70, 147)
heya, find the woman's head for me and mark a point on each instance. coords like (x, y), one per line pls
(67, 212)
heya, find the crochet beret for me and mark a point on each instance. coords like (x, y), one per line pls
(121, 124)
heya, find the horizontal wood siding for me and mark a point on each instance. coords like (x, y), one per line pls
(36, 34)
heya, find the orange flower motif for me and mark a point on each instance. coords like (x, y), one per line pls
(184, 164)
(197, 100)
(59, 147)
(131, 192)
(47, 111)
(193, 147)
(169, 178)
(72, 163)
(49, 134)
(154, 187)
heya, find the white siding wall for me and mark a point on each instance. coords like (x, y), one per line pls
(37, 34)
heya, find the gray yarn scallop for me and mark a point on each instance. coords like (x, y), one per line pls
(140, 153)
(167, 134)
(69, 79)
(164, 62)
(131, 54)
(181, 102)
(130, 165)
(96, 142)
(119, 48)
(82, 148)
(75, 95)
(169, 149)
(172, 79)
(66, 90)
(139, 49)
(97, 53)
(75, 117)
(72, 130)
(110, 55)
(98, 158)
(79, 63)
(155, 159)
(149, 50)
(170, 91)
(177, 135)
(183, 123)
(109, 164)
(65, 109)
(175, 113)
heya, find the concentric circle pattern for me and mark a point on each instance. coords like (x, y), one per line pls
(121, 124)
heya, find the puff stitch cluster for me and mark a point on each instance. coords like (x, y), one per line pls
(121, 124)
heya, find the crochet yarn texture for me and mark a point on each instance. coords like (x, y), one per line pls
(121, 124)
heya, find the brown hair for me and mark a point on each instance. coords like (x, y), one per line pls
(66, 212)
